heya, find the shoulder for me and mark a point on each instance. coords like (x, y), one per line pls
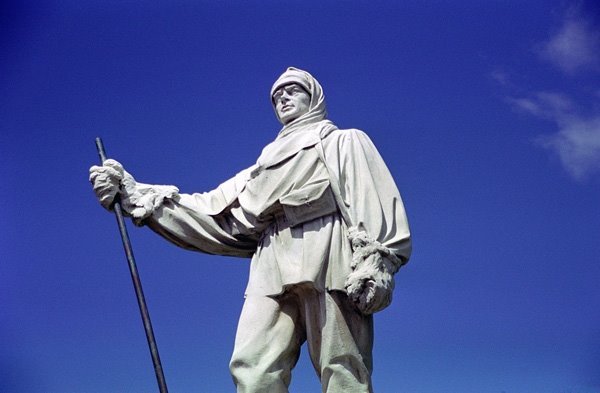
(347, 135)
(351, 138)
(349, 132)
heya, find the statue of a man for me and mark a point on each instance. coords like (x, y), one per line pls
(324, 224)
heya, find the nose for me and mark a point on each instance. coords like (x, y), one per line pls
(283, 99)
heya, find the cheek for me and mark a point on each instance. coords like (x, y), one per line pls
(304, 103)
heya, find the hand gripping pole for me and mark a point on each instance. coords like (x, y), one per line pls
(137, 284)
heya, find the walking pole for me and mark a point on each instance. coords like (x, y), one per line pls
(137, 284)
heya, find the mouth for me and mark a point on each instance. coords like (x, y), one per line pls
(286, 107)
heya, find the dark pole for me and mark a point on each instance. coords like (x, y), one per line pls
(137, 284)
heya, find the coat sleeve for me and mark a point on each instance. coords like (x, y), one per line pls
(370, 195)
(211, 222)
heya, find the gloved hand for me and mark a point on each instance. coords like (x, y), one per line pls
(138, 200)
(371, 283)
(110, 180)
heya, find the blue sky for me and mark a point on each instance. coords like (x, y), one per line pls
(487, 113)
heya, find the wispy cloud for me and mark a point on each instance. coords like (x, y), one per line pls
(544, 104)
(577, 142)
(577, 145)
(574, 47)
(501, 77)
(576, 139)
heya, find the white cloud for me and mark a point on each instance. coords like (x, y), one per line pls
(576, 46)
(577, 145)
(501, 77)
(576, 139)
(577, 142)
(548, 105)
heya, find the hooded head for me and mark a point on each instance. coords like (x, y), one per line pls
(316, 107)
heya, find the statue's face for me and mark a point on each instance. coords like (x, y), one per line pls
(291, 101)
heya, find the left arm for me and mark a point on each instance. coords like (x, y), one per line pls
(379, 234)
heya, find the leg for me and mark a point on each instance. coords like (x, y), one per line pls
(267, 346)
(340, 342)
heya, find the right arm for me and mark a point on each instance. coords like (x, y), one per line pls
(210, 222)
(182, 221)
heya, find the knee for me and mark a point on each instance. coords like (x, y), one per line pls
(346, 373)
(251, 377)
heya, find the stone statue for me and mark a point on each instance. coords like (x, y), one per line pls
(323, 221)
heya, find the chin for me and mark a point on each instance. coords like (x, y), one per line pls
(288, 120)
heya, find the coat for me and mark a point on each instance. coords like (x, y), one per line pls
(284, 211)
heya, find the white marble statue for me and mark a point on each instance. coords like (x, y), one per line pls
(324, 224)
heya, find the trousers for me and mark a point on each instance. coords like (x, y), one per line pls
(272, 330)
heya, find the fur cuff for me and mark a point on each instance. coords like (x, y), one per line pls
(144, 199)
(364, 246)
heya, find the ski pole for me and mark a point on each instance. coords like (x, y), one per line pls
(137, 284)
